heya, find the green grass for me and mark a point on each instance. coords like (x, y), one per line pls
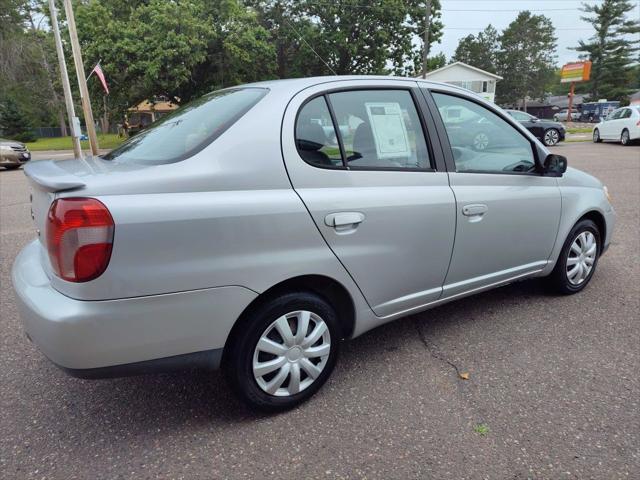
(481, 429)
(579, 130)
(106, 141)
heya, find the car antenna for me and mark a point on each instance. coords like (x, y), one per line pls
(307, 44)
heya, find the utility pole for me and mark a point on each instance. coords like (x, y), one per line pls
(82, 80)
(426, 39)
(68, 100)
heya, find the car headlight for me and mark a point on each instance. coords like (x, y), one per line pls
(5, 147)
(606, 192)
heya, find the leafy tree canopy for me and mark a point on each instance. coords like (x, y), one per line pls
(480, 50)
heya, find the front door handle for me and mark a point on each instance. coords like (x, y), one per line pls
(474, 209)
(344, 220)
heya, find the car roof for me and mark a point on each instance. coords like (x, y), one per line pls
(302, 83)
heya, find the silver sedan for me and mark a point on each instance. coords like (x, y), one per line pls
(257, 227)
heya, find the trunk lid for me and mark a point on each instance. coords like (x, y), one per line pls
(52, 178)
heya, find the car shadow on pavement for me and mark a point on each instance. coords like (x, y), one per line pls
(172, 401)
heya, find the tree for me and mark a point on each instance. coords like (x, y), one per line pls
(480, 51)
(14, 124)
(367, 38)
(611, 49)
(178, 50)
(527, 58)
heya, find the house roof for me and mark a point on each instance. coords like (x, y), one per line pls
(470, 67)
(147, 106)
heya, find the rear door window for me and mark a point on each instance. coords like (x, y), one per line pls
(189, 129)
(380, 129)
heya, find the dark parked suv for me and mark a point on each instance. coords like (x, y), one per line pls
(13, 154)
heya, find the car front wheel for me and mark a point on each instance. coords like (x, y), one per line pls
(551, 137)
(578, 258)
(283, 352)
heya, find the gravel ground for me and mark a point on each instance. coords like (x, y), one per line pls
(553, 390)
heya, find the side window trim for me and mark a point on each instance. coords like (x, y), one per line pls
(295, 123)
(444, 137)
(336, 127)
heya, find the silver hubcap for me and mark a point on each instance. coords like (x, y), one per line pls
(551, 137)
(625, 137)
(291, 353)
(481, 141)
(582, 256)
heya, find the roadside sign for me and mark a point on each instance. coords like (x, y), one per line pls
(575, 72)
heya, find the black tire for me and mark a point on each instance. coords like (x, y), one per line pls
(549, 142)
(238, 358)
(625, 140)
(559, 280)
(11, 167)
(596, 136)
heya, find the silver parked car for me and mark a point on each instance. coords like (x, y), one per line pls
(13, 154)
(238, 232)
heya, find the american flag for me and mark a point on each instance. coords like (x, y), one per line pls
(100, 74)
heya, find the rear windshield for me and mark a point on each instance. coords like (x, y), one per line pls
(189, 129)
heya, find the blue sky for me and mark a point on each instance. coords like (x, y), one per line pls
(462, 17)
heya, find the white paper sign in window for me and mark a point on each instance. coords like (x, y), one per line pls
(389, 129)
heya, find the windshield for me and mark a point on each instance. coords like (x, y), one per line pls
(189, 129)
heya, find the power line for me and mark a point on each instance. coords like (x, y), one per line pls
(308, 45)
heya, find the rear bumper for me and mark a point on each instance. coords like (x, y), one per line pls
(126, 336)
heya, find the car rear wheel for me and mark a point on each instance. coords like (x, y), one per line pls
(481, 141)
(596, 136)
(284, 351)
(578, 258)
(551, 137)
(624, 137)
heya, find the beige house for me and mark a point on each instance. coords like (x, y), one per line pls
(147, 112)
(466, 76)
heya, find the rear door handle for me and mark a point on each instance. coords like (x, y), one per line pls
(344, 220)
(474, 209)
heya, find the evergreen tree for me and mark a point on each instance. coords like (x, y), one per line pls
(611, 49)
(526, 58)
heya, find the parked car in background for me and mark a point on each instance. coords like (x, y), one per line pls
(550, 133)
(596, 111)
(236, 233)
(13, 154)
(562, 115)
(622, 125)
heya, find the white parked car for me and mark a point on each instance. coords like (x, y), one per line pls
(622, 125)
(562, 115)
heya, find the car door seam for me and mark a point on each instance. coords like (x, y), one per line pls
(313, 221)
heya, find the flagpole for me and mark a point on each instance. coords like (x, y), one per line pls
(66, 87)
(82, 81)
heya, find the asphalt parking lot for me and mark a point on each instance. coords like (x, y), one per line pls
(553, 389)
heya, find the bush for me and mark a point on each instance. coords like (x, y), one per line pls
(24, 137)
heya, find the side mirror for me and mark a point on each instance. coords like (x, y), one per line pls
(555, 165)
(535, 119)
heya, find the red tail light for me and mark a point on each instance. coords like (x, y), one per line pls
(79, 235)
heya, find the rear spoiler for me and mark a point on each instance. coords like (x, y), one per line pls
(50, 177)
